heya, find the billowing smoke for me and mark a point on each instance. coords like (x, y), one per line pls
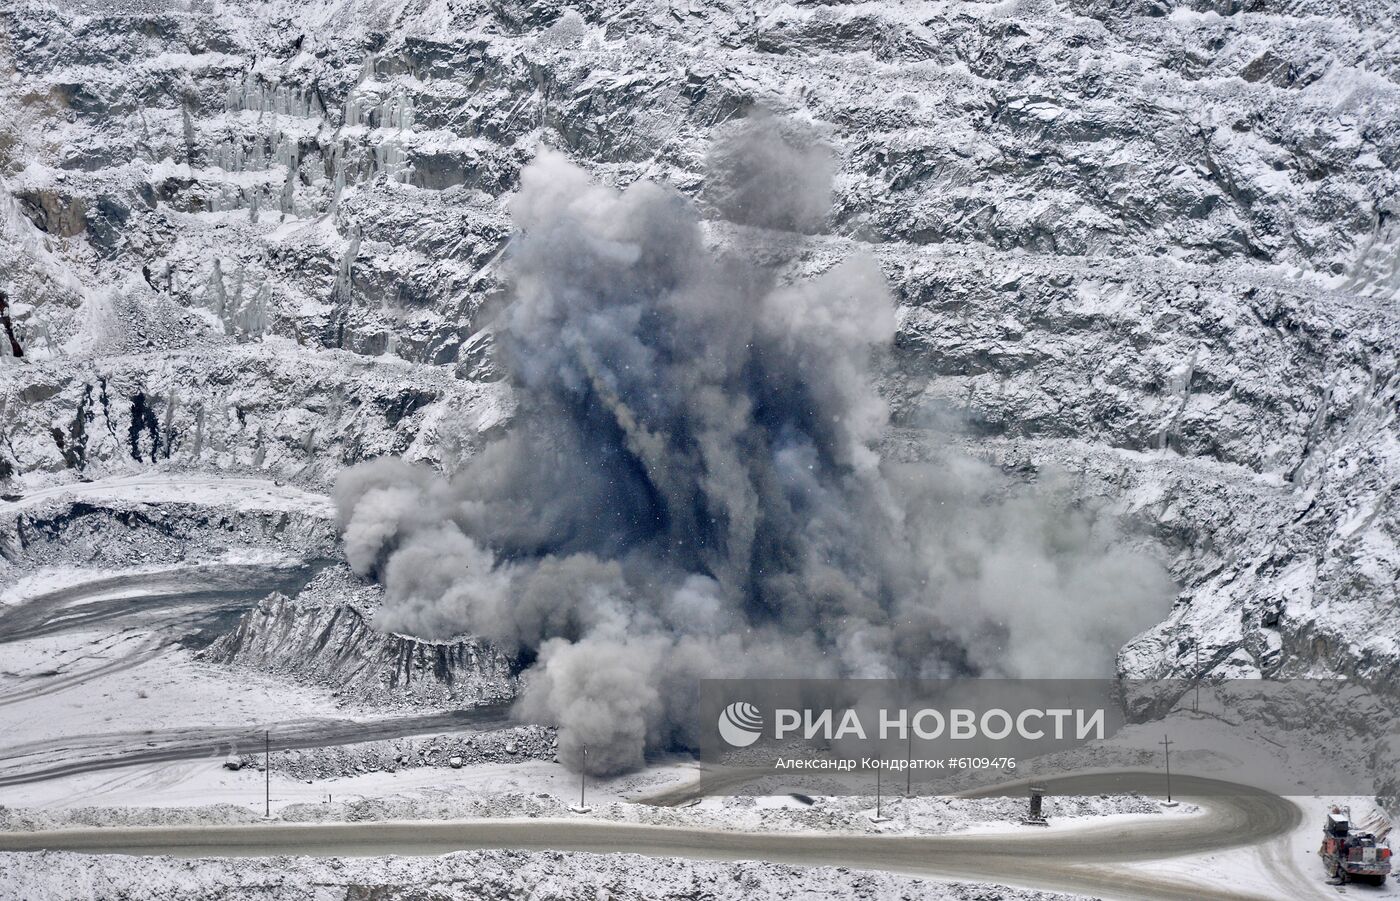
(769, 172)
(691, 489)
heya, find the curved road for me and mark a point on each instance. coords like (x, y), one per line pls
(1084, 860)
(147, 599)
(175, 605)
(133, 748)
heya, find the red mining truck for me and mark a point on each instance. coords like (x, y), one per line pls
(1351, 855)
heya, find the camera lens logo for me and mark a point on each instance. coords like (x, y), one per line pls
(740, 724)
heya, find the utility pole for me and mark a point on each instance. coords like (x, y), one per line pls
(909, 769)
(267, 775)
(879, 816)
(582, 786)
(1167, 751)
(1196, 704)
(877, 792)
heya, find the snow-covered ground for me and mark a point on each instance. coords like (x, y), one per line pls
(131, 683)
(207, 792)
(1287, 868)
(465, 875)
(98, 669)
(47, 579)
(103, 659)
(194, 784)
(244, 494)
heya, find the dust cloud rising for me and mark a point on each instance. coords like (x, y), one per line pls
(690, 490)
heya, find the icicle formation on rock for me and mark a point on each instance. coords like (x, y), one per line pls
(692, 490)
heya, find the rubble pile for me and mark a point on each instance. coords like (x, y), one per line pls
(512, 745)
(325, 636)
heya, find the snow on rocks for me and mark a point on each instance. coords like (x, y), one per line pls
(161, 520)
(510, 745)
(333, 643)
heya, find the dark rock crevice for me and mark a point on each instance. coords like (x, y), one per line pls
(143, 421)
(7, 324)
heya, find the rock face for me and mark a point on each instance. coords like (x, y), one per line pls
(335, 644)
(125, 525)
(1153, 243)
(240, 407)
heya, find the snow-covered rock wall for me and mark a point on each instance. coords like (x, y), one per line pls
(329, 642)
(1153, 243)
(135, 530)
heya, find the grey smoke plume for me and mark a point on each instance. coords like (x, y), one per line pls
(691, 490)
(771, 173)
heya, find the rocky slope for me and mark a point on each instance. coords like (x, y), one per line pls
(167, 518)
(323, 637)
(1152, 243)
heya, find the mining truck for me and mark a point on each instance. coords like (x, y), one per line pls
(1349, 855)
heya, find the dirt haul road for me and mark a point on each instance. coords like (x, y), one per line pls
(1085, 860)
(172, 600)
(173, 604)
(116, 750)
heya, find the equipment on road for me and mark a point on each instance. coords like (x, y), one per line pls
(1035, 816)
(1348, 855)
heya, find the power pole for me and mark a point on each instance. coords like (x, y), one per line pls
(909, 770)
(1167, 751)
(879, 816)
(582, 806)
(1196, 704)
(877, 792)
(267, 774)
